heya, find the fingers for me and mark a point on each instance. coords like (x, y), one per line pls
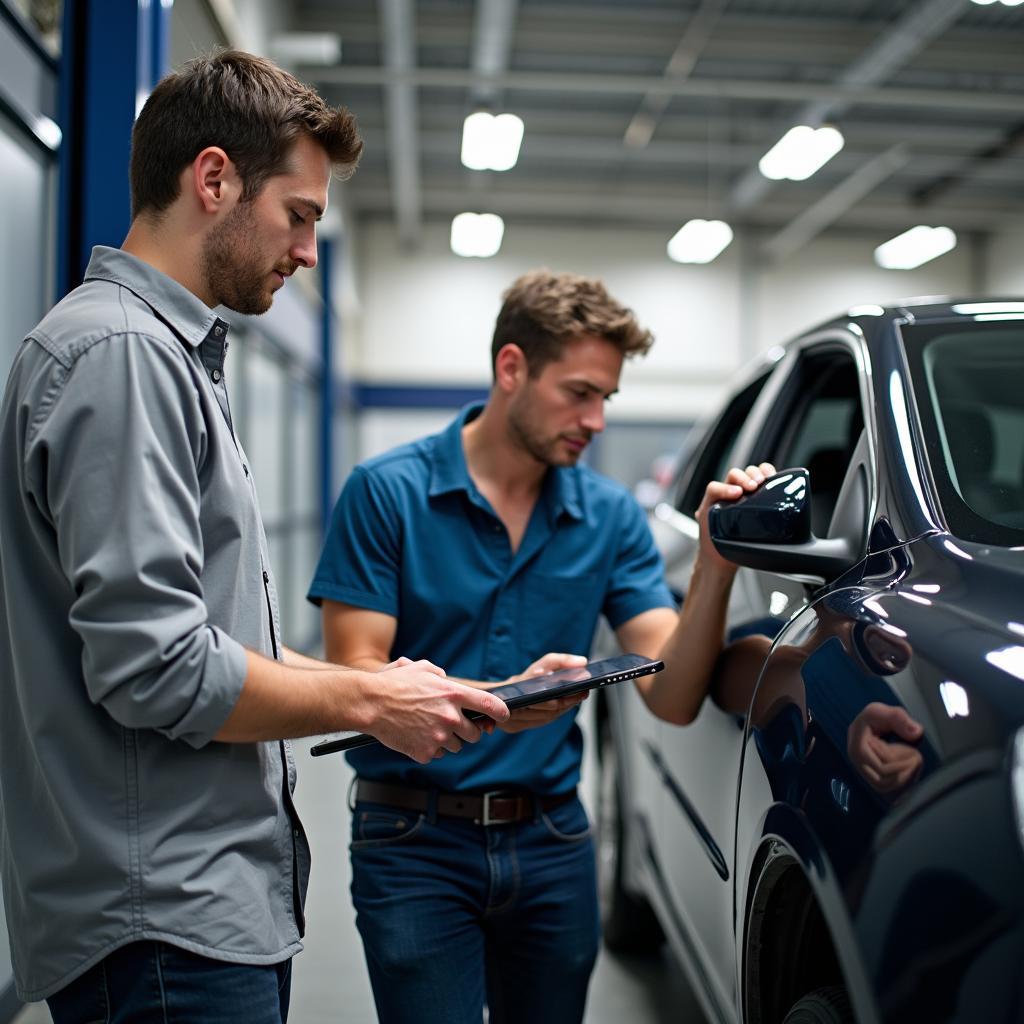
(541, 714)
(472, 699)
(554, 661)
(422, 664)
(737, 483)
(397, 663)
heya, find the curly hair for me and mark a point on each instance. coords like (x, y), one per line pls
(543, 311)
(251, 108)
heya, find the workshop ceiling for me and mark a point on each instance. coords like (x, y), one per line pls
(650, 112)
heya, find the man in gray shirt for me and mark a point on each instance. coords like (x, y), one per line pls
(153, 864)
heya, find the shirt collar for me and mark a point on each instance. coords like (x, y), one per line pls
(183, 311)
(561, 493)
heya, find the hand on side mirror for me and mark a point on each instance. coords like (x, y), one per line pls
(771, 530)
(778, 512)
(739, 485)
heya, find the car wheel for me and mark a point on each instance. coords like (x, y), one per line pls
(628, 923)
(822, 1006)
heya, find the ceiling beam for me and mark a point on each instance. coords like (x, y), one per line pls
(808, 224)
(493, 31)
(715, 88)
(680, 66)
(398, 37)
(894, 47)
(664, 210)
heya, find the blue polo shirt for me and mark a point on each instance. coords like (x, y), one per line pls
(411, 536)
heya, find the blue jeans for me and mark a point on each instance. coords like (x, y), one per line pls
(453, 915)
(156, 983)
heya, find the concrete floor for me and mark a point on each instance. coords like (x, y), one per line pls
(330, 984)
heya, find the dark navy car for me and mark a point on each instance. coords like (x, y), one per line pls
(839, 836)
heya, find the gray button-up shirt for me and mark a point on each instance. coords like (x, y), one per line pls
(133, 570)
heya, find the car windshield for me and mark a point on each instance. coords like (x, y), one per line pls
(969, 382)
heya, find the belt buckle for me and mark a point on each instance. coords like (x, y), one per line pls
(489, 819)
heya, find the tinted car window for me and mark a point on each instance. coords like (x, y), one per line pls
(820, 428)
(714, 459)
(969, 385)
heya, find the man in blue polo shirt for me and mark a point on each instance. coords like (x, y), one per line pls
(486, 548)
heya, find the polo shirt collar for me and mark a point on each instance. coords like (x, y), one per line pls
(562, 492)
(183, 311)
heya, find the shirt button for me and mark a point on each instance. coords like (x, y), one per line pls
(501, 631)
(218, 330)
(215, 376)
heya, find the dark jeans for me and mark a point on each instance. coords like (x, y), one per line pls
(155, 983)
(453, 914)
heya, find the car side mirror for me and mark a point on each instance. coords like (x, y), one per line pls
(770, 529)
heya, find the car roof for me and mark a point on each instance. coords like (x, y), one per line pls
(921, 309)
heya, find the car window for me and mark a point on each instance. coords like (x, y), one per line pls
(714, 458)
(819, 427)
(969, 383)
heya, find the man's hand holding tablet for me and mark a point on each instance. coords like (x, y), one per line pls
(534, 689)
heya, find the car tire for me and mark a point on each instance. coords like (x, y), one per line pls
(628, 923)
(822, 1006)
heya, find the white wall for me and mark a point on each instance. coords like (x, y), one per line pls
(1005, 262)
(427, 316)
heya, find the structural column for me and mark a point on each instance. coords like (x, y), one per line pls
(114, 52)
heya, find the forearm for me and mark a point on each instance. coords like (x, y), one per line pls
(691, 650)
(293, 659)
(281, 700)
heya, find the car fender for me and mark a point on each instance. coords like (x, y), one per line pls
(785, 840)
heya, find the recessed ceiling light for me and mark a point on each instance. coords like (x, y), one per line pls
(699, 241)
(491, 143)
(477, 234)
(914, 247)
(801, 152)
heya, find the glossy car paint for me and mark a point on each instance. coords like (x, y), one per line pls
(919, 887)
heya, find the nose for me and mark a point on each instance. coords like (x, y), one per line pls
(303, 251)
(593, 415)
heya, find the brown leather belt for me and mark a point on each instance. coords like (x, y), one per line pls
(498, 807)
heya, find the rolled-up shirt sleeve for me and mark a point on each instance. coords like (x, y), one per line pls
(637, 583)
(115, 463)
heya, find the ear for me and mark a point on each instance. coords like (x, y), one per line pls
(214, 180)
(510, 368)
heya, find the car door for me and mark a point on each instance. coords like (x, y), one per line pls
(810, 412)
(693, 827)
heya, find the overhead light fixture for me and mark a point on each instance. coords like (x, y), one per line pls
(699, 241)
(491, 143)
(307, 48)
(914, 247)
(477, 234)
(1005, 3)
(801, 152)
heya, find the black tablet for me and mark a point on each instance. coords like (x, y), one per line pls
(560, 683)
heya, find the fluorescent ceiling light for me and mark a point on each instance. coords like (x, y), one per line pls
(477, 234)
(1005, 3)
(307, 48)
(491, 143)
(800, 152)
(699, 241)
(914, 247)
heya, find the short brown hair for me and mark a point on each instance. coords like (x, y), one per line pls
(543, 311)
(249, 107)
